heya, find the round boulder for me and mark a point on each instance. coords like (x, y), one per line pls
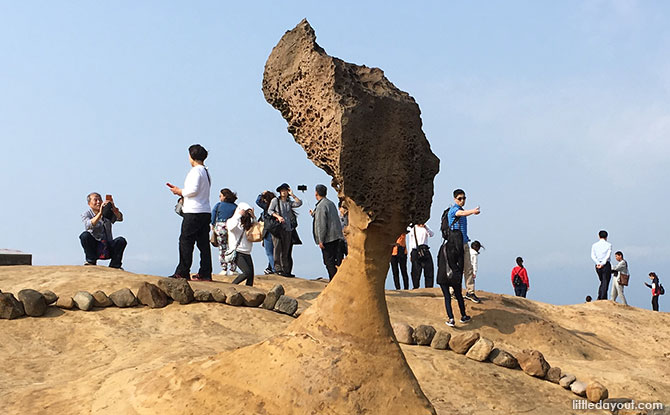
(440, 340)
(462, 342)
(123, 298)
(65, 302)
(10, 307)
(83, 300)
(566, 380)
(33, 301)
(480, 350)
(532, 363)
(502, 358)
(578, 388)
(554, 375)
(403, 333)
(596, 392)
(424, 334)
(100, 299)
(50, 297)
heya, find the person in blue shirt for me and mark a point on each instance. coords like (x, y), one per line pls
(458, 219)
(221, 212)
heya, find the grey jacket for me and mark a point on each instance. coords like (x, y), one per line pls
(102, 229)
(327, 226)
(621, 267)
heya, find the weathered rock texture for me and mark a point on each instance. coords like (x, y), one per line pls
(532, 362)
(33, 301)
(10, 307)
(338, 355)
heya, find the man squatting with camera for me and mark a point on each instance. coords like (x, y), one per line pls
(97, 239)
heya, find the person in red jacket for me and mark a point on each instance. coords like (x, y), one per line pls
(655, 290)
(520, 279)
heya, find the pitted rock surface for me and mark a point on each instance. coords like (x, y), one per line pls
(337, 111)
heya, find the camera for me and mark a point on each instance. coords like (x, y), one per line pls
(302, 187)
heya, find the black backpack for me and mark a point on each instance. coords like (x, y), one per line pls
(444, 224)
(516, 281)
(661, 290)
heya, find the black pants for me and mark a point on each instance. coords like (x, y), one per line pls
(654, 302)
(520, 290)
(399, 261)
(283, 252)
(246, 265)
(424, 264)
(458, 293)
(604, 275)
(195, 229)
(90, 245)
(330, 255)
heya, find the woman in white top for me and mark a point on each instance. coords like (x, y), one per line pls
(237, 226)
(196, 213)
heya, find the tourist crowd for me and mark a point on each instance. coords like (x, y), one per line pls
(234, 228)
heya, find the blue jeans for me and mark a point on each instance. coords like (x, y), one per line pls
(269, 251)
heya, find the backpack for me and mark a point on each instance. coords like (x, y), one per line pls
(444, 224)
(661, 290)
(516, 281)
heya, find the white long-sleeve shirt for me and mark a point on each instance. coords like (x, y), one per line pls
(601, 252)
(196, 191)
(422, 235)
(474, 259)
(236, 233)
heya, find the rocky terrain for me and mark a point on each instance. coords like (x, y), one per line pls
(89, 362)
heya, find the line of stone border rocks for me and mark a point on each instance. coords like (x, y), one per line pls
(481, 349)
(33, 303)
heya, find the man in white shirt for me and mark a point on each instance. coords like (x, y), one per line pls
(419, 254)
(601, 252)
(197, 216)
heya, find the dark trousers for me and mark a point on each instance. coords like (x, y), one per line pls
(283, 252)
(399, 261)
(330, 254)
(520, 290)
(424, 264)
(246, 265)
(654, 302)
(604, 275)
(195, 229)
(458, 293)
(90, 245)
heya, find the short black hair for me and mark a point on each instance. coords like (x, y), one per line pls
(458, 192)
(619, 253)
(603, 235)
(321, 190)
(588, 298)
(228, 195)
(519, 261)
(476, 245)
(197, 152)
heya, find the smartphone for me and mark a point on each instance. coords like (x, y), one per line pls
(108, 198)
(168, 184)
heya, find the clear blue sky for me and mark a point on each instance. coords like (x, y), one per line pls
(553, 116)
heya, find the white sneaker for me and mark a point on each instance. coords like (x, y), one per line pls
(222, 272)
(229, 272)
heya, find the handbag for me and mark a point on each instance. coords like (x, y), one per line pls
(272, 225)
(422, 251)
(179, 207)
(213, 240)
(255, 233)
(623, 279)
(231, 255)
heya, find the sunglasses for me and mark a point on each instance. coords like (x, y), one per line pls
(461, 198)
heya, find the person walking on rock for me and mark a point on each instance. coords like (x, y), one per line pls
(420, 256)
(620, 272)
(282, 209)
(263, 201)
(655, 290)
(196, 217)
(237, 226)
(520, 280)
(223, 211)
(458, 220)
(327, 229)
(601, 252)
(399, 260)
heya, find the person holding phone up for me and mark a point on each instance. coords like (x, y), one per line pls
(97, 239)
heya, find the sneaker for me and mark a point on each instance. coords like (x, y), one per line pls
(465, 319)
(450, 323)
(268, 271)
(196, 277)
(472, 297)
(89, 263)
(229, 272)
(223, 272)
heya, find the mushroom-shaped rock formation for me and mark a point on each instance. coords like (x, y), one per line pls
(340, 355)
